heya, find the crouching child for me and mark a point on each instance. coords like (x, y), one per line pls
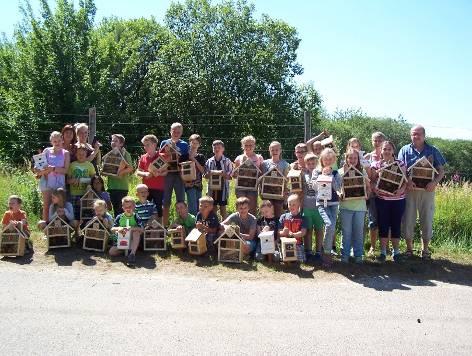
(208, 222)
(293, 225)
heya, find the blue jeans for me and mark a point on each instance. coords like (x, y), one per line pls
(352, 225)
(328, 215)
(173, 182)
(193, 194)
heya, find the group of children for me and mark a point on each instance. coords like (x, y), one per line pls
(73, 166)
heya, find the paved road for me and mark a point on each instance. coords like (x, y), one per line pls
(69, 311)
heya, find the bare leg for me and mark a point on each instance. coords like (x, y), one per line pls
(308, 240)
(114, 251)
(165, 215)
(46, 203)
(373, 238)
(135, 241)
(319, 239)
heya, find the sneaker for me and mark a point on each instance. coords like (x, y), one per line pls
(397, 258)
(382, 258)
(426, 255)
(333, 251)
(358, 260)
(276, 256)
(259, 257)
(131, 260)
(345, 259)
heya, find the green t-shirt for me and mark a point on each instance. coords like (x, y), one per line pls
(121, 183)
(188, 223)
(123, 218)
(79, 170)
(354, 204)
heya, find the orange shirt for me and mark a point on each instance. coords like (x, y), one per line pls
(18, 216)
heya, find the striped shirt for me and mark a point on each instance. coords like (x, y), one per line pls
(145, 210)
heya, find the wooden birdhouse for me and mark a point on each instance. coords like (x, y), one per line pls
(112, 162)
(230, 245)
(391, 178)
(295, 181)
(188, 171)
(289, 249)
(196, 242)
(247, 175)
(86, 205)
(324, 185)
(328, 142)
(96, 235)
(154, 237)
(272, 184)
(158, 164)
(40, 161)
(58, 233)
(215, 180)
(267, 242)
(177, 238)
(421, 173)
(354, 184)
(171, 156)
(12, 241)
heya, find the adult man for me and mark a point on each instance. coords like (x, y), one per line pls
(420, 202)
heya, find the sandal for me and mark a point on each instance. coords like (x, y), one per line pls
(409, 253)
(426, 255)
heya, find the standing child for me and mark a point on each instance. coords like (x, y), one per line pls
(62, 208)
(184, 219)
(145, 209)
(124, 222)
(294, 225)
(207, 221)
(220, 163)
(98, 186)
(267, 222)
(300, 152)
(194, 189)
(352, 213)
(16, 216)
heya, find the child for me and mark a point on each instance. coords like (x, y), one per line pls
(93, 153)
(155, 180)
(328, 209)
(247, 225)
(352, 213)
(275, 160)
(300, 152)
(248, 144)
(79, 177)
(310, 211)
(172, 179)
(223, 164)
(145, 209)
(294, 225)
(314, 144)
(390, 207)
(184, 220)
(62, 208)
(208, 222)
(17, 217)
(100, 209)
(118, 186)
(128, 220)
(194, 189)
(98, 186)
(267, 222)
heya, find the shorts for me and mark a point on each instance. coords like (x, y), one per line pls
(217, 196)
(313, 218)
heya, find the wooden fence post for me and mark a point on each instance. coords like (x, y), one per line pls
(307, 123)
(92, 124)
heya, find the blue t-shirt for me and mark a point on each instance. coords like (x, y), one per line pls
(409, 155)
(181, 146)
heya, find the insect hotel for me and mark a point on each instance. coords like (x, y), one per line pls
(328, 142)
(58, 233)
(188, 171)
(12, 241)
(171, 156)
(196, 242)
(158, 164)
(96, 235)
(112, 162)
(421, 173)
(289, 249)
(247, 176)
(215, 180)
(391, 178)
(354, 184)
(177, 238)
(154, 237)
(230, 245)
(86, 205)
(267, 242)
(272, 184)
(295, 181)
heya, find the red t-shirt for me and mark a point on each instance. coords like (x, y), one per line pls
(18, 216)
(151, 182)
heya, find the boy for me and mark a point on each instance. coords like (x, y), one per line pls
(194, 189)
(145, 209)
(294, 225)
(247, 224)
(207, 221)
(118, 186)
(184, 220)
(79, 177)
(17, 217)
(223, 164)
(267, 222)
(128, 220)
(172, 179)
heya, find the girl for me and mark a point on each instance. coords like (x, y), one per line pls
(93, 153)
(100, 209)
(194, 189)
(98, 186)
(54, 176)
(267, 222)
(69, 140)
(390, 207)
(60, 207)
(248, 144)
(328, 209)
(352, 213)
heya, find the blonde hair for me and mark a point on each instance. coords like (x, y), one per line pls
(142, 186)
(176, 125)
(80, 127)
(246, 139)
(195, 137)
(379, 134)
(351, 141)
(128, 199)
(325, 153)
(206, 199)
(150, 138)
(302, 146)
(120, 138)
(292, 197)
(55, 134)
(275, 143)
(310, 157)
(352, 151)
(99, 203)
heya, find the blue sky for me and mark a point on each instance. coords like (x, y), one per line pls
(408, 57)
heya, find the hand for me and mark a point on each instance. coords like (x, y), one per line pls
(431, 186)
(199, 225)
(179, 228)
(266, 228)
(60, 211)
(96, 145)
(121, 172)
(410, 185)
(327, 170)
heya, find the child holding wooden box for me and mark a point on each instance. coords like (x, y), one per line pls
(294, 225)
(145, 209)
(194, 189)
(62, 208)
(207, 221)
(267, 222)
(184, 219)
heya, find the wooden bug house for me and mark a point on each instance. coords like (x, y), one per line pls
(422, 172)
(12, 241)
(196, 242)
(158, 164)
(86, 205)
(295, 181)
(247, 175)
(354, 184)
(272, 184)
(177, 238)
(188, 171)
(328, 142)
(96, 235)
(267, 242)
(58, 233)
(40, 161)
(215, 180)
(171, 156)
(230, 245)
(154, 237)
(391, 178)
(288, 246)
(112, 162)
